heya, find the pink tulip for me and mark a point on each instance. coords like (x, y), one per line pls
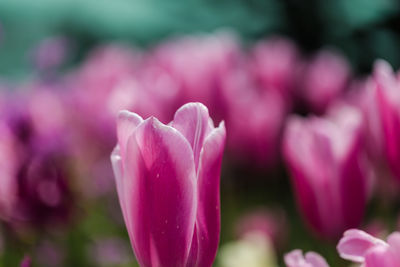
(167, 180)
(324, 80)
(295, 258)
(388, 102)
(197, 64)
(328, 170)
(254, 119)
(274, 63)
(360, 247)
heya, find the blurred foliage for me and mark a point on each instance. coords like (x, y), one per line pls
(362, 29)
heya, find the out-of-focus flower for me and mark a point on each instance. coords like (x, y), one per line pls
(270, 224)
(104, 77)
(295, 258)
(324, 79)
(110, 252)
(38, 169)
(328, 169)
(388, 103)
(8, 168)
(50, 53)
(26, 262)
(168, 183)
(274, 64)
(197, 65)
(44, 196)
(254, 119)
(360, 247)
(252, 250)
(364, 96)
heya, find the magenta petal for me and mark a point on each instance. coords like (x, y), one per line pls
(294, 258)
(160, 194)
(192, 120)
(118, 170)
(380, 256)
(208, 213)
(299, 159)
(316, 260)
(126, 124)
(355, 244)
(354, 186)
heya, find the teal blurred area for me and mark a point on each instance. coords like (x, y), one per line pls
(142, 22)
(362, 29)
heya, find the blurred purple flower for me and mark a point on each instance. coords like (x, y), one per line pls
(50, 53)
(168, 183)
(295, 258)
(38, 168)
(328, 169)
(360, 247)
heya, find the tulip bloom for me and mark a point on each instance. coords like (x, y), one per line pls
(325, 78)
(295, 258)
(388, 99)
(167, 180)
(360, 247)
(328, 170)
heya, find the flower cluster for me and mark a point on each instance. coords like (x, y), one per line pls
(337, 136)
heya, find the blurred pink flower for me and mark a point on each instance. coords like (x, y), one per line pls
(387, 99)
(51, 52)
(103, 82)
(254, 119)
(8, 170)
(360, 247)
(328, 169)
(168, 184)
(269, 224)
(197, 64)
(37, 179)
(324, 79)
(274, 64)
(295, 258)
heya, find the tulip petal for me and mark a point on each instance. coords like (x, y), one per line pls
(126, 124)
(315, 260)
(192, 120)
(380, 256)
(160, 194)
(355, 243)
(301, 170)
(294, 258)
(208, 213)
